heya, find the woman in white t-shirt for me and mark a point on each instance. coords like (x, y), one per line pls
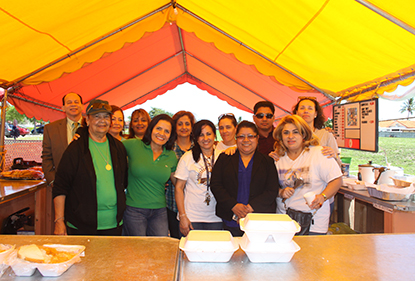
(195, 201)
(302, 163)
(227, 129)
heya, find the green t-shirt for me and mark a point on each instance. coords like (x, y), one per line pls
(147, 178)
(106, 193)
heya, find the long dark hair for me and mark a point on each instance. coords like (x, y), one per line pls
(320, 118)
(147, 136)
(197, 131)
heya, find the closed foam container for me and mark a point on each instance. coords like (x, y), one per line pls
(259, 227)
(7, 249)
(26, 268)
(209, 245)
(269, 251)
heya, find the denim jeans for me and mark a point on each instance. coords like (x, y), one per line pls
(206, 226)
(145, 222)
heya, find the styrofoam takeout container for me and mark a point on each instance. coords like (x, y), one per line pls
(354, 184)
(209, 245)
(259, 227)
(4, 256)
(27, 268)
(268, 252)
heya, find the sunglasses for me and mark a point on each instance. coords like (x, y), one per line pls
(225, 115)
(242, 137)
(101, 105)
(261, 115)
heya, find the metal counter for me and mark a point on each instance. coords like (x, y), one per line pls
(331, 257)
(408, 206)
(109, 258)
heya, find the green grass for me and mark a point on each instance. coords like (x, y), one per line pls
(400, 152)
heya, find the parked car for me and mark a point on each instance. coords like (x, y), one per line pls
(8, 130)
(38, 130)
(9, 133)
(23, 131)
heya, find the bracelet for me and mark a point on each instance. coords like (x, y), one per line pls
(61, 218)
(324, 195)
(182, 215)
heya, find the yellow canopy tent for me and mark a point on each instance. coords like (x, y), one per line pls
(330, 48)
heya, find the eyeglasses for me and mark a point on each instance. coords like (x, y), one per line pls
(242, 137)
(225, 115)
(261, 115)
(306, 98)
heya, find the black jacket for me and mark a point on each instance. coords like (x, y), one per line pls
(264, 184)
(76, 179)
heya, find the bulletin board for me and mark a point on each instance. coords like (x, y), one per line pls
(355, 125)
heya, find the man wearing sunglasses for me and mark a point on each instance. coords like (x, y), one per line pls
(264, 118)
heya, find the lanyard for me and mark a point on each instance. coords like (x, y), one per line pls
(207, 197)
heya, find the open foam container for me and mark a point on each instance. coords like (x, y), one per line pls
(27, 268)
(258, 227)
(6, 250)
(209, 245)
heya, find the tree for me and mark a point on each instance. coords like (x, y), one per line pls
(157, 111)
(12, 113)
(329, 123)
(408, 106)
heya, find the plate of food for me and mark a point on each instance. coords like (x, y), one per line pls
(28, 174)
(50, 259)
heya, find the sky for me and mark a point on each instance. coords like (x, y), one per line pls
(206, 106)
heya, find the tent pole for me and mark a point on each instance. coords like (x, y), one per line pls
(387, 16)
(2, 131)
(182, 46)
(254, 51)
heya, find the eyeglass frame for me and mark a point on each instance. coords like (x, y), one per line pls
(243, 137)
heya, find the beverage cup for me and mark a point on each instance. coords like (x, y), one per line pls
(309, 197)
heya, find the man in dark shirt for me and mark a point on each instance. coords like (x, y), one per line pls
(264, 118)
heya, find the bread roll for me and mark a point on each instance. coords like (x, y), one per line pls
(31, 253)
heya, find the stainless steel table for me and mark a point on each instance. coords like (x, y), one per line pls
(331, 257)
(109, 258)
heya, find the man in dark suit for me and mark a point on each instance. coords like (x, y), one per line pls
(57, 135)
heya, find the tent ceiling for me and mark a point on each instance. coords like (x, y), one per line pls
(130, 51)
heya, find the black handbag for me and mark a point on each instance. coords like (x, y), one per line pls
(304, 220)
(15, 221)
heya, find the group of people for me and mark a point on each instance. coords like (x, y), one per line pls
(169, 175)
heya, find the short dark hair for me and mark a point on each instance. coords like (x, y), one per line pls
(140, 111)
(247, 124)
(320, 118)
(115, 108)
(182, 113)
(264, 104)
(197, 130)
(63, 99)
(147, 136)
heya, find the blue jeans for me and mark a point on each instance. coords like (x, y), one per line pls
(145, 222)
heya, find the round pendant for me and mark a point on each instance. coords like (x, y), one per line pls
(108, 167)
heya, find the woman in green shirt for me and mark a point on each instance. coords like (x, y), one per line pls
(151, 163)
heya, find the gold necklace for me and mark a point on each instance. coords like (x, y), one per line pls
(108, 166)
